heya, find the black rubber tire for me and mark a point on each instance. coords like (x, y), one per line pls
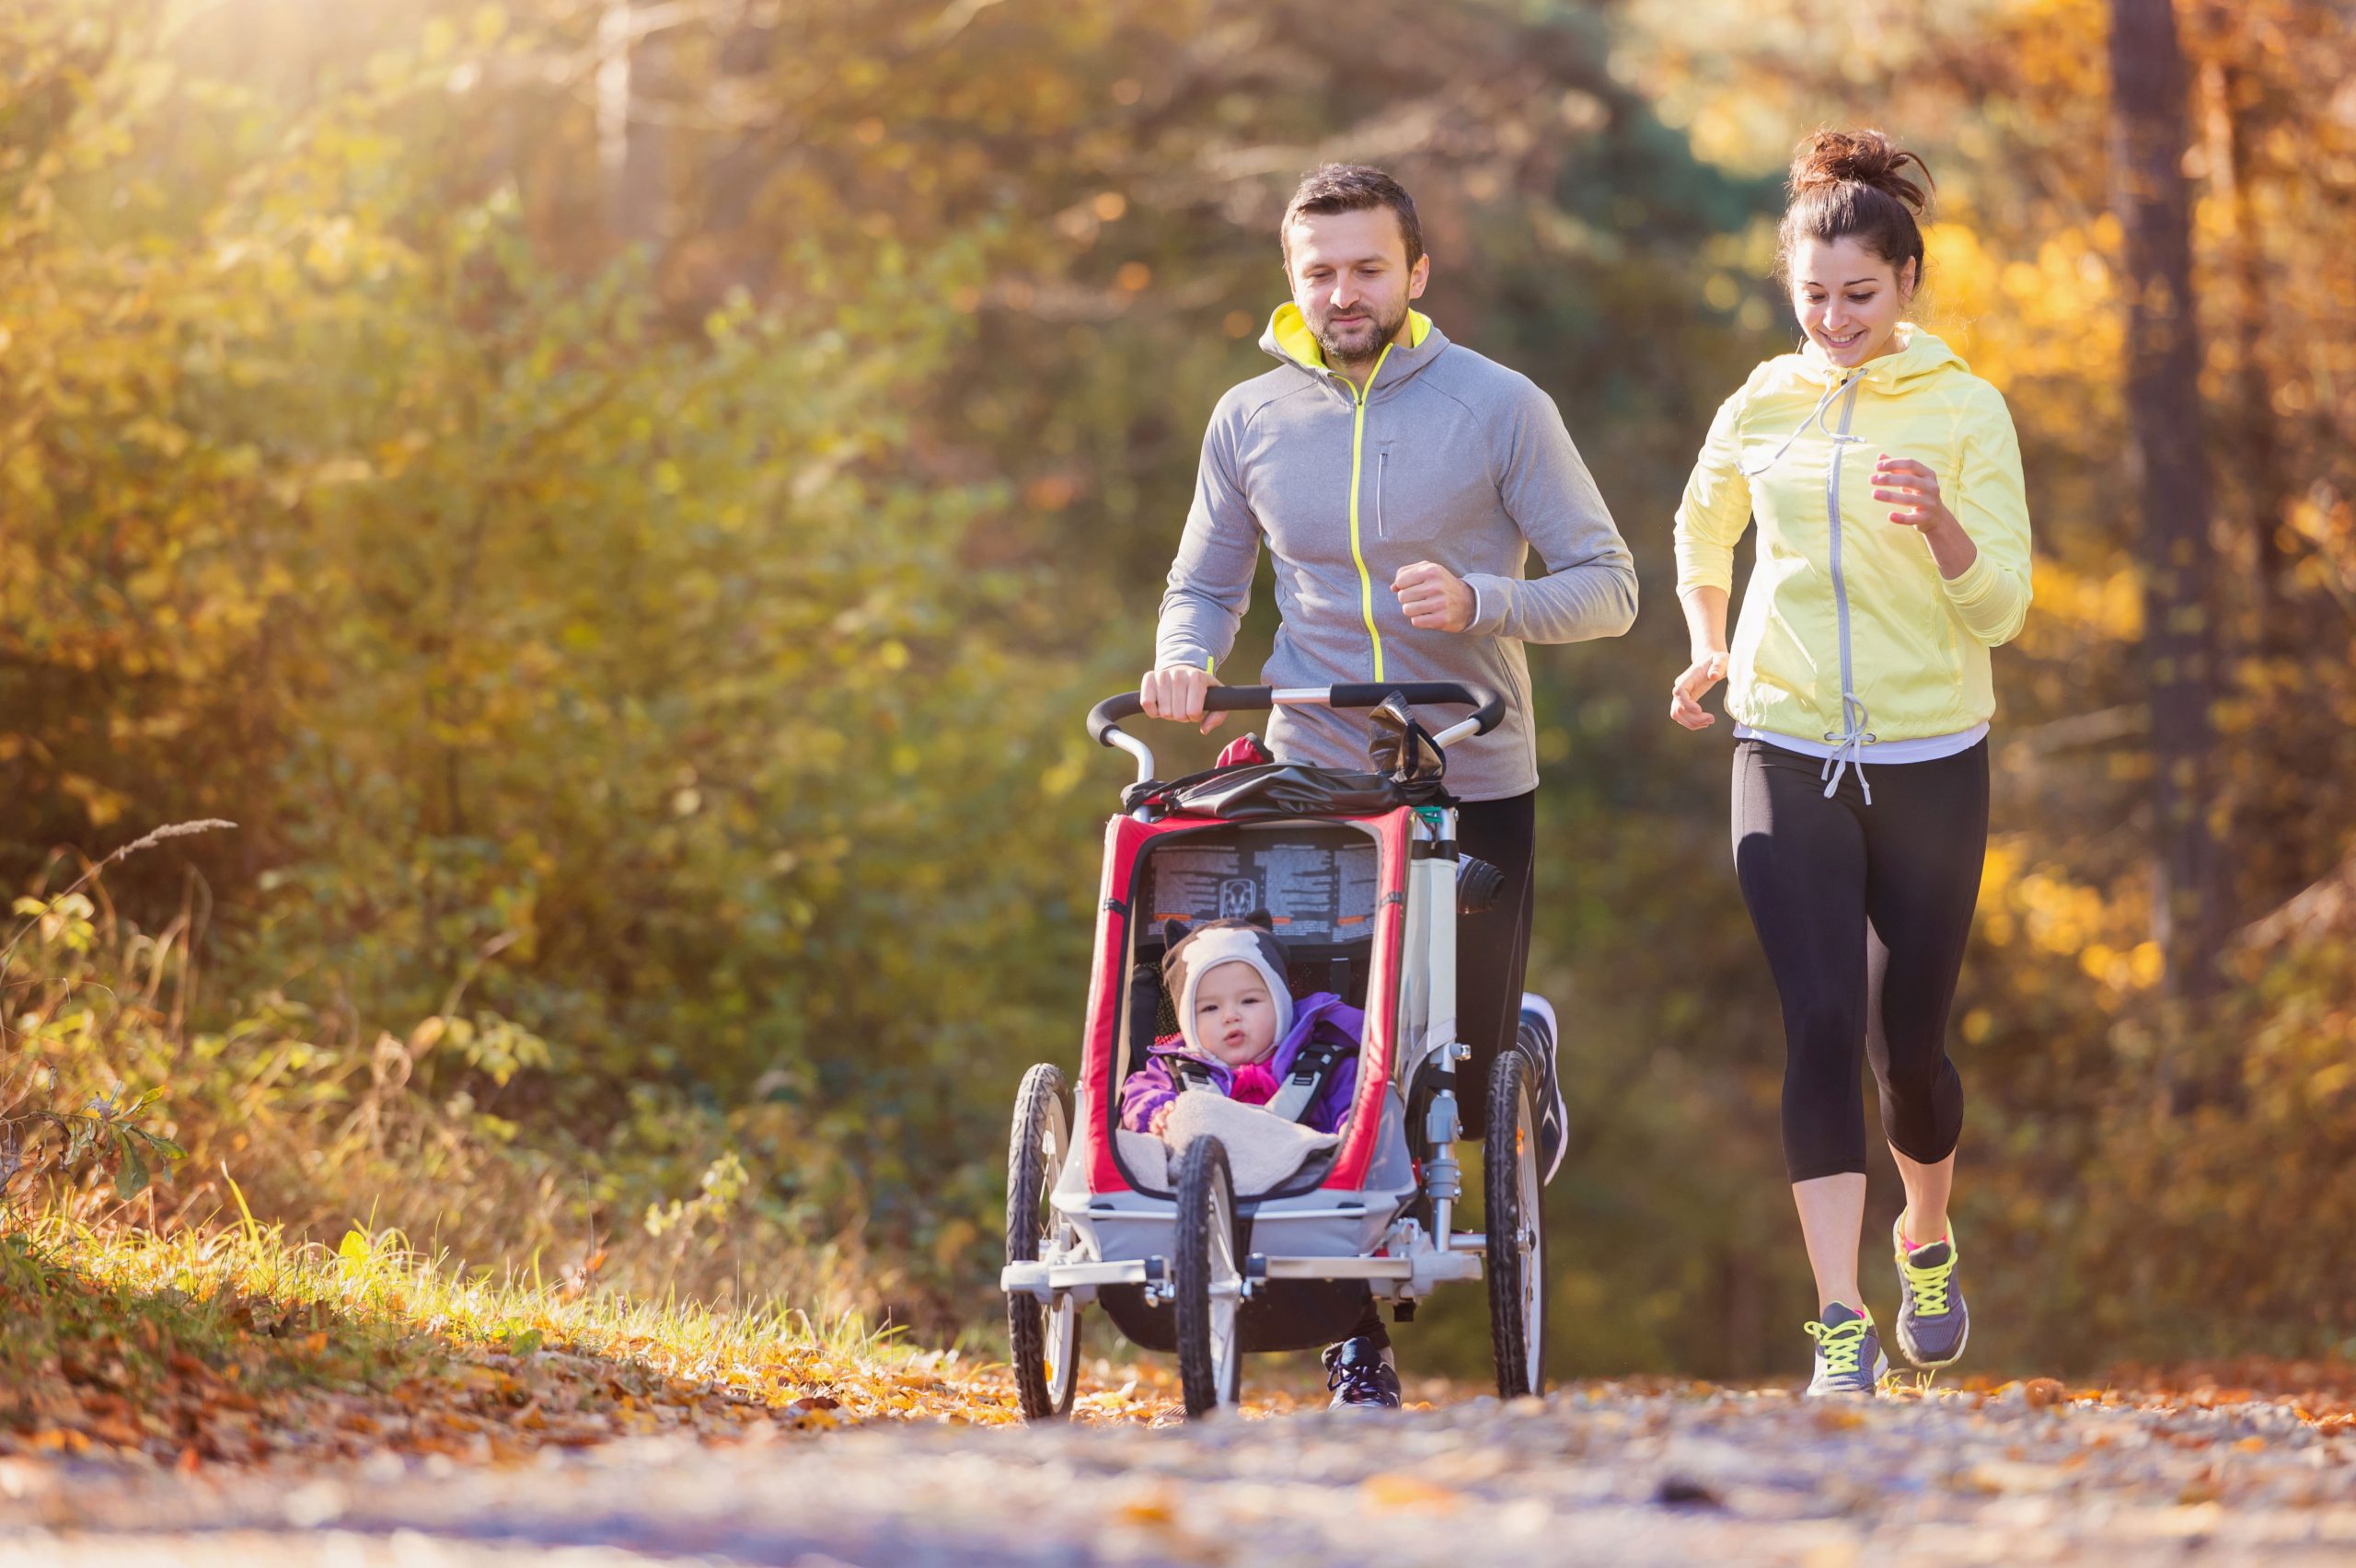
(1044, 1383)
(1515, 1193)
(1205, 1206)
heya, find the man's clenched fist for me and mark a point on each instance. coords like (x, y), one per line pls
(1434, 597)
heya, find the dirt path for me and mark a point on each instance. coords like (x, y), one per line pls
(1594, 1475)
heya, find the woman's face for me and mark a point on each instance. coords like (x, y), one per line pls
(1235, 1018)
(1849, 301)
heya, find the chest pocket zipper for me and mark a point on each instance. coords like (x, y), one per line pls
(1381, 467)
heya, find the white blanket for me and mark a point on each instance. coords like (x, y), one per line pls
(1263, 1148)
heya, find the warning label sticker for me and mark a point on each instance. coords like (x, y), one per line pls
(1313, 892)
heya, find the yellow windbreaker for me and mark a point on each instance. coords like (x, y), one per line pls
(1848, 632)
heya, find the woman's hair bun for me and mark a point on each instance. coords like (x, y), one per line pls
(1831, 159)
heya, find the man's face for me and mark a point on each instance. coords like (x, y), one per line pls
(1350, 278)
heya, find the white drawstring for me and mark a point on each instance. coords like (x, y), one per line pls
(1849, 748)
(1816, 417)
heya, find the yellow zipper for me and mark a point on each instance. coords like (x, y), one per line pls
(1357, 466)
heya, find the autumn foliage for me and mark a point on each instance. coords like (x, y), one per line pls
(625, 518)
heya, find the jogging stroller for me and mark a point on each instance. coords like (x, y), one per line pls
(1361, 873)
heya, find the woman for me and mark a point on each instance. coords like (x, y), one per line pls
(1858, 682)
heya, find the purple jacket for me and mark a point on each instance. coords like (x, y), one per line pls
(1153, 1089)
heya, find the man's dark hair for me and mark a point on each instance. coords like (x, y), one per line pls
(1354, 188)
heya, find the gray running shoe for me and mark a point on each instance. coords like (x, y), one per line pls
(1932, 1323)
(1848, 1354)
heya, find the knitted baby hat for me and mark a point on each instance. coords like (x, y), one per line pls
(1194, 953)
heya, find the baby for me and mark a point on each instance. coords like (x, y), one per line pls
(1239, 1028)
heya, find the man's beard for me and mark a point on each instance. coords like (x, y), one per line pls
(1384, 331)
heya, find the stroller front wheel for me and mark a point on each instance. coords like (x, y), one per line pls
(1044, 1339)
(1208, 1280)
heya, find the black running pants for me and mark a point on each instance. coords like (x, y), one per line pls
(1491, 952)
(1864, 911)
(1493, 949)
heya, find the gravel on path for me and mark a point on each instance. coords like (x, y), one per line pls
(1594, 1474)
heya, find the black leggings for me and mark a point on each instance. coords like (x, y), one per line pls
(1863, 911)
(1491, 951)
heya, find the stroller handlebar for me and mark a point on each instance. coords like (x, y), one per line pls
(1488, 707)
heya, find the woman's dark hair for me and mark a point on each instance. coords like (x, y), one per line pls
(1354, 188)
(1847, 185)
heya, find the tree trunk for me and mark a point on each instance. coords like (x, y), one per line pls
(632, 149)
(2148, 130)
(2257, 451)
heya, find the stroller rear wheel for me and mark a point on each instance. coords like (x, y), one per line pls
(1517, 1249)
(1208, 1280)
(1046, 1339)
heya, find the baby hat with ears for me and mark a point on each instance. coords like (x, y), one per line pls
(1194, 953)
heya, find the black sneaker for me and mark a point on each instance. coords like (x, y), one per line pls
(1537, 1039)
(1848, 1354)
(1361, 1375)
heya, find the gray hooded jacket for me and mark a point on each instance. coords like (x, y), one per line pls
(1447, 457)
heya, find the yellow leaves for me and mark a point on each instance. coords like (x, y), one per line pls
(2039, 315)
(169, 441)
(2332, 1080)
(2136, 969)
(66, 921)
(2106, 604)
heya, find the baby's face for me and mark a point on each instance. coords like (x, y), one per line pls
(1235, 1019)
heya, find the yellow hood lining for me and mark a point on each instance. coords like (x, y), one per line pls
(1291, 329)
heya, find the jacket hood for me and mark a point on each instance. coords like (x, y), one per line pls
(1919, 355)
(1290, 338)
(1920, 358)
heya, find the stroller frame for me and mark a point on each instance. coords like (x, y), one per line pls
(1198, 1267)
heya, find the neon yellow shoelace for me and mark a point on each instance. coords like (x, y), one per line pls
(1929, 1285)
(1841, 1345)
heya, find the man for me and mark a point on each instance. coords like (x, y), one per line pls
(1400, 482)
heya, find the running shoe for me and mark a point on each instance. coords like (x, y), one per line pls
(1539, 1042)
(1848, 1354)
(1932, 1323)
(1361, 1375)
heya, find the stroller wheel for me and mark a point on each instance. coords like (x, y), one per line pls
(1046, 1339)
(1208, 1280)
(1517, 1231)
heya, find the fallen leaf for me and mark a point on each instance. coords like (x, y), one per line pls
(1397, 1489)
(1155, 1508)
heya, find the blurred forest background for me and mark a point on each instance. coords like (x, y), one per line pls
(624, 503)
